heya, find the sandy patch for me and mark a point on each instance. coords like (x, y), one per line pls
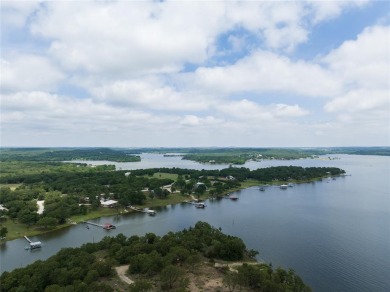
(41, 206)
(121, 271)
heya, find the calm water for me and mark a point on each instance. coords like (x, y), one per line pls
(335, 234)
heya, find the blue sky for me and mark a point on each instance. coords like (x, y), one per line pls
(199, 73)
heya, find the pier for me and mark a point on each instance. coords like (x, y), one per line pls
(197, 204)
(106, 226)
(147, 211)
(33, 244)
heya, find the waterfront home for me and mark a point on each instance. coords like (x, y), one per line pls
(109, 203)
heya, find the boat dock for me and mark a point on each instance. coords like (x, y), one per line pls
(33, 244)
(106, 226)
(197, 204)
(147, 211)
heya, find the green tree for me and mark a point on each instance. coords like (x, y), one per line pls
(193, 261)
(3, 232)
(91, 276)
(231, 281)
(200, 190)
(47, 222)
(140, 286)
(169, 276)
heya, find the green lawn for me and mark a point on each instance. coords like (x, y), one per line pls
(163, 175)
(96, 214)
(172, 199)
(17, 230)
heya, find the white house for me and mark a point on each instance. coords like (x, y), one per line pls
(108, 203)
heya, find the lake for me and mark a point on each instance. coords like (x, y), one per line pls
(334, 233)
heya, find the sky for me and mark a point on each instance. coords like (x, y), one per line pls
(195, 73)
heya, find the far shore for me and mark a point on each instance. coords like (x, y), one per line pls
(18, 230)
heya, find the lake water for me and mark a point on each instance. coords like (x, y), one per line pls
(335, 234)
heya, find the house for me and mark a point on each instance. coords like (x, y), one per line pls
(168, 188)
(198, 184)
(109, 203)
(230, 177)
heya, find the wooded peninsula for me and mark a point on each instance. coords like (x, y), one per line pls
(182, 261)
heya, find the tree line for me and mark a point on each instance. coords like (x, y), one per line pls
(68, 193)
(66, 154)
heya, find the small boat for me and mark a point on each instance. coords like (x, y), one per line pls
(290, 185)
(233, 197)
(262, 189)
(108, 226)
(283, 187)
(151, 212)
(200, 205)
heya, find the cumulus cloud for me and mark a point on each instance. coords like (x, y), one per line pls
(248, 110)
(152, 70)
(29, 72)
(159, 37)
(150, 93)
(360, 100)
(363, 65)
(40, 109)
(265, 71)
(328, 9)
(118, 38)
(17, 13)
(192, 120)
(364, 62)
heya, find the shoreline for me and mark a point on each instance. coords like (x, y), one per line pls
(178, 199)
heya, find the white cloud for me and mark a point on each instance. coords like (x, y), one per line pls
(118, 38)
(16, 13)
(360, 100)
(250, 111)
(363, 65)
(129, 57)
(264, 71)
(192, 120)
(328, 9)
(42, 110)
(150, 93)
(28, 72)
(364, 62)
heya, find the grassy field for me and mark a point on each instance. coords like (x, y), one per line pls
(172, 199)
(101, 212)
(163, 175)
(17, 230)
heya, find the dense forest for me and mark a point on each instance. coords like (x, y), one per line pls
(202, 155)
(155, 263)
(64, 154)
